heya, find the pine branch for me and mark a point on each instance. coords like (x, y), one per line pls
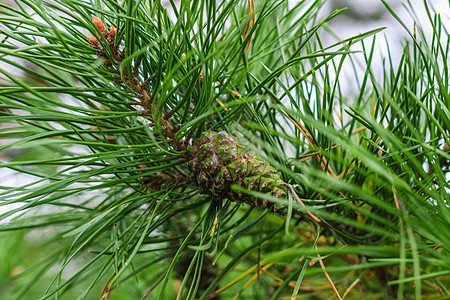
(154, 152)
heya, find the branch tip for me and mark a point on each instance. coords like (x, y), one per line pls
(99, 23)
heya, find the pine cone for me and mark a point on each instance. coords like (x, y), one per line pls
(219, 161)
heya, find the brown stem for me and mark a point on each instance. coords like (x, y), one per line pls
(134, 84)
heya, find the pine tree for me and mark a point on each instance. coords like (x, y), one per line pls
(210, 150)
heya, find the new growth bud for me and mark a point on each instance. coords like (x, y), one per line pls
(110, 35)
(112, 32)
(98, 22)
(93, 41)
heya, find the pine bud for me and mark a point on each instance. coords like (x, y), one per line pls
(99, 23)
(112, 33)
(93, 41)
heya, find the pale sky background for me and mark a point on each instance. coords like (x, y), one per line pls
(365, 15)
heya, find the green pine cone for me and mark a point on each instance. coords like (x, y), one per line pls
(219, 161)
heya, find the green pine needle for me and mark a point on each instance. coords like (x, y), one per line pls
(98, 196)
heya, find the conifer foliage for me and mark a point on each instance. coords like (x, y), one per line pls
(217, 150)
